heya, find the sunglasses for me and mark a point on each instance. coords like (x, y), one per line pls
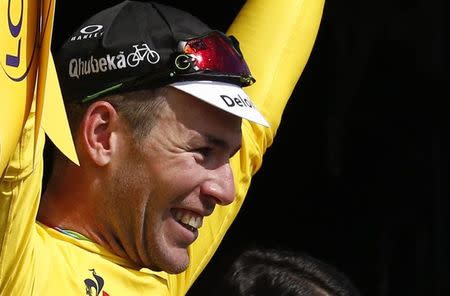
(214, 56)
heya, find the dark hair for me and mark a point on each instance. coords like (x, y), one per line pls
(258, 272)
(139, 109)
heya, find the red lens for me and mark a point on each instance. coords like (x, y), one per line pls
(216, 53)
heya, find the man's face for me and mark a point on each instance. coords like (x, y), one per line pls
(163, 186)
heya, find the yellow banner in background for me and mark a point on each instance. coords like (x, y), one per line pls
(25, 38)
(19, 37)
(49, 103)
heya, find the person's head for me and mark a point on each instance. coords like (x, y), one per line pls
(276, 272)
(155, 102)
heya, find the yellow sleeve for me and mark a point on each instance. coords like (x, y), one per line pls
(276, 38)
(20, 190)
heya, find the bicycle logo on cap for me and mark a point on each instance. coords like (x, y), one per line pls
(140, 53)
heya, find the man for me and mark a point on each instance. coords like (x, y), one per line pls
(155, 102)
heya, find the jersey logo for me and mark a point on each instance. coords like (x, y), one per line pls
(94, 286)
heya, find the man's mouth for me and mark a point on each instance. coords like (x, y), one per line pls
(188, 219)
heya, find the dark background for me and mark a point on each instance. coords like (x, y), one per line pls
(358, 174)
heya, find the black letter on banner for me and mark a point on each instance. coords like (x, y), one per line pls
(12, 60)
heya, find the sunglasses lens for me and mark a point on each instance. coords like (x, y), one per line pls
(216, 53)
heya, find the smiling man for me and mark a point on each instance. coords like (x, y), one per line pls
(143, 197)
(144, 85)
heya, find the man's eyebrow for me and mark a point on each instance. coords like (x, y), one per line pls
(216, 141)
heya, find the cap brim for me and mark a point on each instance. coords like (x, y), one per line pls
(228, 97)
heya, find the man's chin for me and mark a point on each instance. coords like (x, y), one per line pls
(174, 262)
(176, 269)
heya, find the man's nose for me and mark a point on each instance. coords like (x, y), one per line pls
(220, 185)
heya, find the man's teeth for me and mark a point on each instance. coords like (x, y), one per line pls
(189, 219)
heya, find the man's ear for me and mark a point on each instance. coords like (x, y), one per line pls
(99, 132)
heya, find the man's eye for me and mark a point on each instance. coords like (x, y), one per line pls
(204, 151)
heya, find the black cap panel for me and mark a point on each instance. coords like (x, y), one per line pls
(129, 40)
